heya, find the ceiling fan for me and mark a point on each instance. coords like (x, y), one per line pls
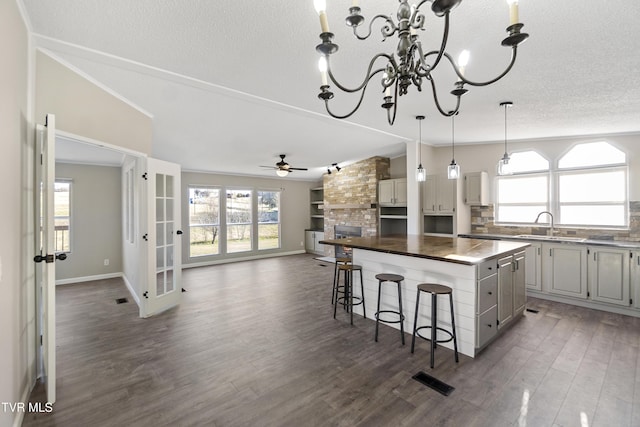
(283, 168)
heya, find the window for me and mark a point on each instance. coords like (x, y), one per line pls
(239, 221)
(204, 221)
(62, 215)
(592, 186)
(521, 196)
(268, 220)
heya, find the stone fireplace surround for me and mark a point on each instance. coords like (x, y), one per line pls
(351, 197)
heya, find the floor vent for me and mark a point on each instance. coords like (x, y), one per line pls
(531, 310)
(121, 300)
(433, 383)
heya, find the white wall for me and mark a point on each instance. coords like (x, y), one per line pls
(294, 210)
(96, 222)
(17, 314)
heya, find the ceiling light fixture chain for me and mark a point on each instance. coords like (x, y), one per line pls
(409, 65)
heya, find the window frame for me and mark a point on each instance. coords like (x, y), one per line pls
(549, 203)
(221, 230)
(250, 223)
(69, 182)
(259, 223)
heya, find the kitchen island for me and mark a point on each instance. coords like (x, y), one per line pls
(487, 278)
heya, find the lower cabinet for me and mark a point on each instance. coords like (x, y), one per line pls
(511, 287)
(312, 239)
(565, 269)
(487, 304)
(533, 269)
(608, 275)
(635, 278)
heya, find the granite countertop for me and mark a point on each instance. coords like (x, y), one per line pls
(555, 239)
(449, 249)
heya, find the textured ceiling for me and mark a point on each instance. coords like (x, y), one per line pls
(233, 84)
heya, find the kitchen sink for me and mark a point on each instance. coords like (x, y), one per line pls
(554, 238)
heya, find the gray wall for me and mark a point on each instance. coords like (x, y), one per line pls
(17, 314)
(96, 221)
(294, 208)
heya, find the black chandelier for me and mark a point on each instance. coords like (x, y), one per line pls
(410, 65)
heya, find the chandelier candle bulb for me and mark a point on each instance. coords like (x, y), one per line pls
(513, 11)
(322, 66)
(355, 3)
(463, 60)
(321, 8)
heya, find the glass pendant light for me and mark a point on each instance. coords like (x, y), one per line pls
(453, 170)
(504, 168)
(421, 174)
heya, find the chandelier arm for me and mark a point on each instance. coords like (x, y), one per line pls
(514, 53)
(368, 76)
(437, 102)
(443, 46)
(337, 116)
(387, 30)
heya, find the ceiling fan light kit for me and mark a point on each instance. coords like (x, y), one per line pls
(410, 64)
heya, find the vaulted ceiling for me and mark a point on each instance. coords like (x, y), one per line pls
(232, 84)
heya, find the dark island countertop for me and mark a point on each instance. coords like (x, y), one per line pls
(449, 249)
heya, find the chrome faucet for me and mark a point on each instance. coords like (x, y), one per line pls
(550, 215)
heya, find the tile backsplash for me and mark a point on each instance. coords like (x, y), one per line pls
(483, 217)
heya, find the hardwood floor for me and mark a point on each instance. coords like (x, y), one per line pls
(255, 344)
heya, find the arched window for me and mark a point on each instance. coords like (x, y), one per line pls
(591, 186)
(521, 196)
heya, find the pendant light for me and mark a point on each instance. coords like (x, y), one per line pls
(421, 174)
(504, 168)
(453, 171)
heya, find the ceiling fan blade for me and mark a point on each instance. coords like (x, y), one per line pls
(298, 169)
(269, 167)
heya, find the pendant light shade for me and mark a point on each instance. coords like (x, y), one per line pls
(504, 168)
(453, 170)
(421, 174)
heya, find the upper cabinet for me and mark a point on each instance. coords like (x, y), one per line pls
(438, 195)
(476, 188)
(392, 192)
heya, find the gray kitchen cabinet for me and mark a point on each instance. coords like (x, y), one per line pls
(487, 304)
(392, 192)
(608, 275)
(312, 239)
(439, 195)
(533, 270)
(476, 188)
(511, 287)
(565, 269)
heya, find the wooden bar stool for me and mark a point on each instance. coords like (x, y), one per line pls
(435, 289)
(395, 278)
(347, 296)
(334, 290)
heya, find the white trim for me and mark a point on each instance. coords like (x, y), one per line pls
(88, 278)
(17, 421)
(131, 291)
(60, 134)
(90, 79)
(247, 258)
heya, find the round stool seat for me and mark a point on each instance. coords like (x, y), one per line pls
(434, 288)
(346, 267)
(388, 277)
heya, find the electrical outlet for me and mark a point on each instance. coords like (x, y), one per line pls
(106, 261)
(301, 243)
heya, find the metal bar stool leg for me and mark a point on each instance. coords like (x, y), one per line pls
(434, 325)
(334, 290)
(350, 306)
(378, 310)
(415, 321)
(453, 328)
(400, 310)
(335, 306)
(364, 308)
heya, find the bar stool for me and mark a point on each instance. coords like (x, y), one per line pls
(347, 295)
(435, 289)
(390, 278)
(334, 290)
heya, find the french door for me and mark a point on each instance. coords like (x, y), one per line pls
(163, 237)
(45, 272)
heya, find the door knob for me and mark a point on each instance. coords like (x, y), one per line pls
(179, 232)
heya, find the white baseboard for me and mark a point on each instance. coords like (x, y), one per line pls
(88, 278)
(131, 290)
(17, 421)
(247, 258)
(627, 311)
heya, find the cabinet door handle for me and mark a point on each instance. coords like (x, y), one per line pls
(538, 251)
(433, 207)
(490, 293)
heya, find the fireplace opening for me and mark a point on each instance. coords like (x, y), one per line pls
(344, 232)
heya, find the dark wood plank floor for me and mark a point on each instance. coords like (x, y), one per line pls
(255, 344)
